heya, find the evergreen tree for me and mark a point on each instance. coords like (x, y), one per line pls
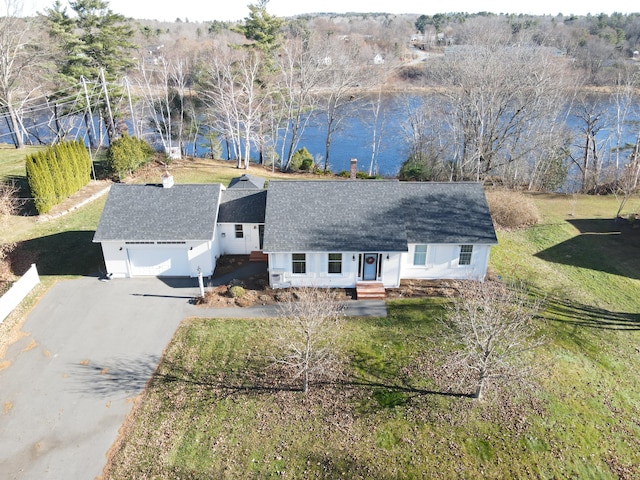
(76, 167)
(61, 156)
(91, 40)
(51, 161)
(84, 160)
(262, 27)
(40, 182)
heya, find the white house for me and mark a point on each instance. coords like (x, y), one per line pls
(241, 221)
(324, 233)
(156, 230)
(350, 233)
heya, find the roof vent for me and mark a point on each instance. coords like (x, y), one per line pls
(167, 180)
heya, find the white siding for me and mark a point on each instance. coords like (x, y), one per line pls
(190, 256)
(230, 245)
(115, 259)
(280, 269)
(158, 260)
(391, 269)
(442, 263)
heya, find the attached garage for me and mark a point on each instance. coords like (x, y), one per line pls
(160, 231)
(158, 261)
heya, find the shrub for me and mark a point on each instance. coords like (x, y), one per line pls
(236, 291)
(40, 182)
(510, 209)
(6, 274)
(301, 160)
(8, 200)
(359, 175)
(126, 154)
(57, 172)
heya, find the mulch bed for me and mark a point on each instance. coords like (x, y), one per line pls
(257, 291)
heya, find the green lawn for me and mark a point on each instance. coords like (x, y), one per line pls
(12, 161)
(215, 410)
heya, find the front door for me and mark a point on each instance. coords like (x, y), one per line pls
(370, 270)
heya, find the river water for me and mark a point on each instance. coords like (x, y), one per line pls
(355, 137)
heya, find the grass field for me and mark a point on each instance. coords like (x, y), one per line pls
(215, 410)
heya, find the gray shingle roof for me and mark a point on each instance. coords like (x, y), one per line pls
(315, 216)
(246, 181)
(453, 212)
(153, 213)
(242, 206)
(373, 215)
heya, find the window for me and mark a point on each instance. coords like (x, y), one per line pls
(420, 255)
(465, 254)
(299, 263)
(239, 232)
(335, 263)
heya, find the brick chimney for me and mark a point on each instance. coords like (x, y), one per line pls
(353, 168)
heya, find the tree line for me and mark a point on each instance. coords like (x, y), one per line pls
(504, 86)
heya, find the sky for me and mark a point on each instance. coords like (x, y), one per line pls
(207, 10)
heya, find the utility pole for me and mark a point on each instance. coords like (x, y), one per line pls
(88, 115)
(136, 132)
(111, 131)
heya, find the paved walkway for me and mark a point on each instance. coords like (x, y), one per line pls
(89, 348)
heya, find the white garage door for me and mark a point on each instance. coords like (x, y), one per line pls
(159, 262)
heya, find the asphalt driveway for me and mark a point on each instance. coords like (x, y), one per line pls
(89, 348)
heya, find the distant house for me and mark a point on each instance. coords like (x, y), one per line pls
(336, 233)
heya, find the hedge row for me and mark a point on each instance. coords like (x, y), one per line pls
(57, 172)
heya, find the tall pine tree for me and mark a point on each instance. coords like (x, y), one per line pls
(91, 40)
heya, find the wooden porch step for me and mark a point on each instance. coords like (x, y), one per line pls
(370, 291)
(258, 256)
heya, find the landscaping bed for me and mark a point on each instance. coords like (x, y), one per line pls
(256, 291)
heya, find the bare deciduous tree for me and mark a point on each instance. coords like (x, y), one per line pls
(306, 334)
(344, 74)
(19, 57)
(498, 101)
(495, 327)
(231, 90)
(163, 88)
(298, 75)
(587, 158)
